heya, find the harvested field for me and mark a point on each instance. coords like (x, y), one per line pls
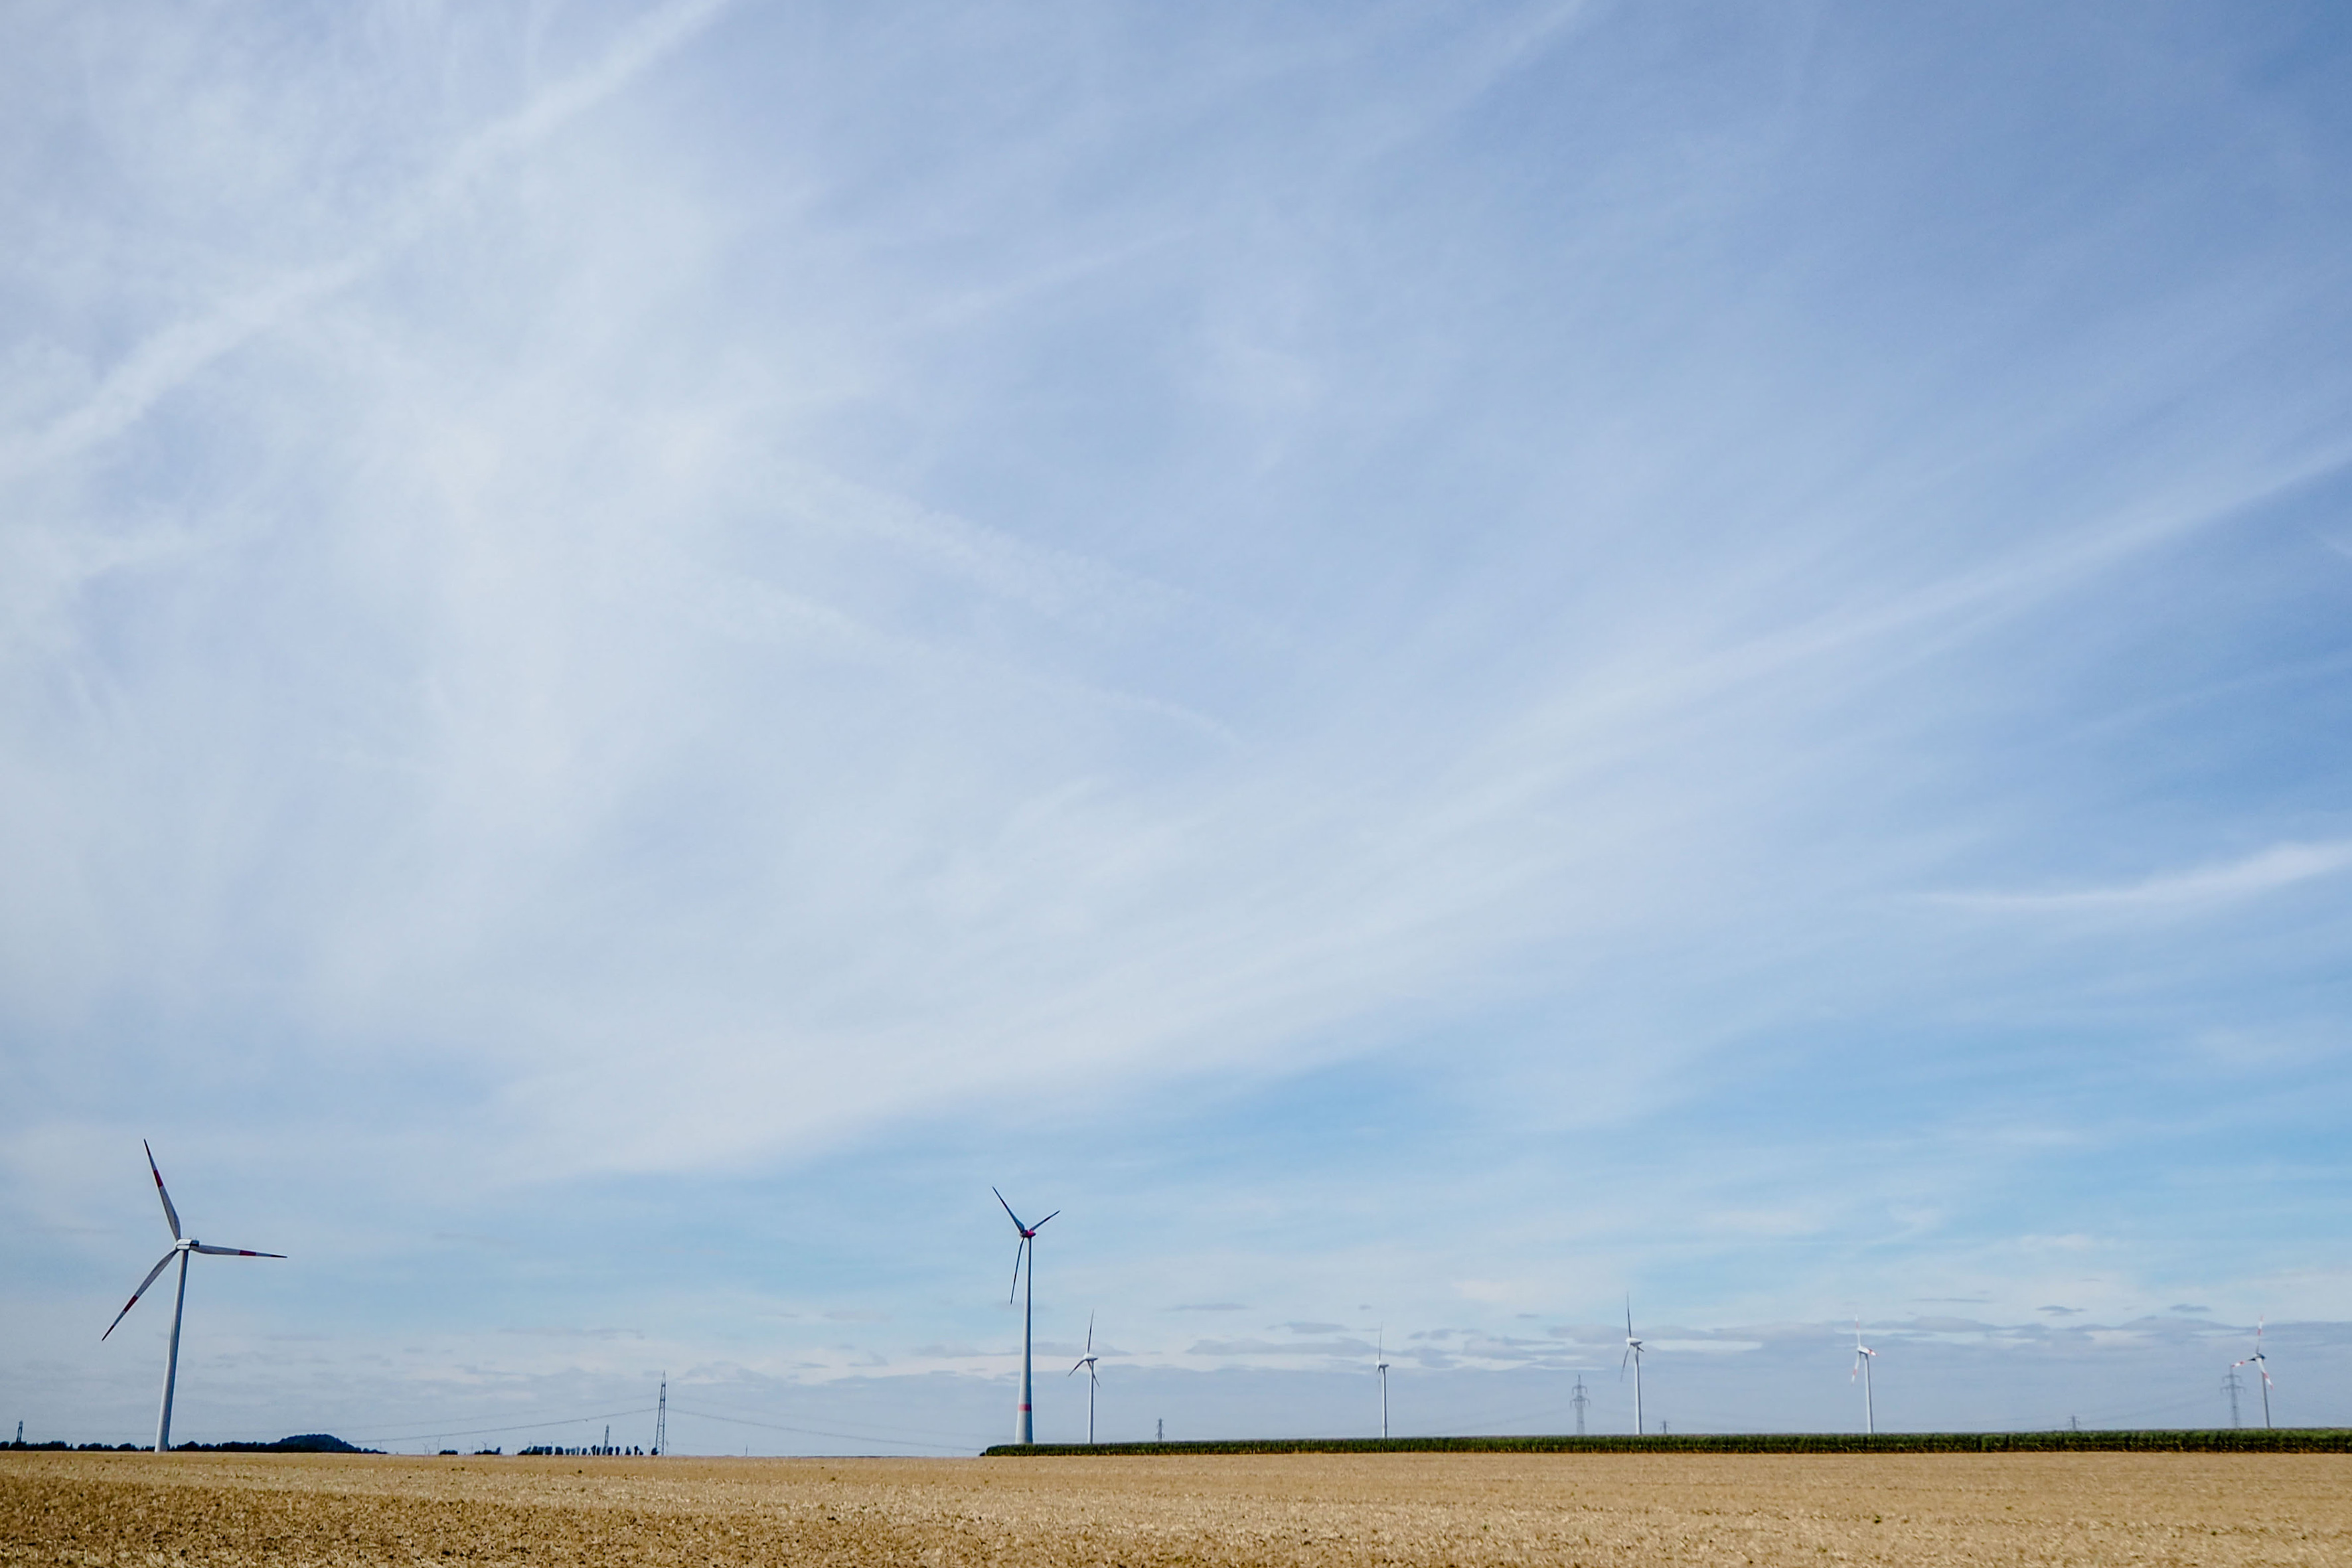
(1913, 1509)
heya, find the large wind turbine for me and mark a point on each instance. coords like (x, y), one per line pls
(181, 1246)
(1023, 1430)
(1862, 1356)
(1087, 1360)
(1633, 1353)
(2262, 1364)
(1381, 1365)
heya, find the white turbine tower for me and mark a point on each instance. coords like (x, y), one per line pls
(1087, 1361)
(1633, 1348)
(2262, 1364)
(1862, 1356)
(181, 1246)
(1381, 1365)
(1023, 1429)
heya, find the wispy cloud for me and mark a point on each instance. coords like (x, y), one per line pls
(2264, 871)
(173, 356)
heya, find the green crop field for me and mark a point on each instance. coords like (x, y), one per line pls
(2226, 1440)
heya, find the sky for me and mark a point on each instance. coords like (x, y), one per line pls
(1446, 669)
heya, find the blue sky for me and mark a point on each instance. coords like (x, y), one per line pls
(1433, 664)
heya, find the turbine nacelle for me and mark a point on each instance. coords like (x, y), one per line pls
(1028, 1236)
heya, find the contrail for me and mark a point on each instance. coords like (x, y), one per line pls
(174, 355)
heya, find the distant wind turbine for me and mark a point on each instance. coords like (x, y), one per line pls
(181, 1247)
(1381, 1365)
(1023, 1429)
(1862, 1356)
(2262, 1364)
(1087, 1360)
(1633, 1348)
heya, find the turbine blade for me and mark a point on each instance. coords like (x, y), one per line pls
(230, 1252)
(1041, 1223)
(163, 1263)
(171, 1216)
(1629, 1317)
(1010, 1214)
(1622, 1360)
(1015, 1288)
(1090, 1333)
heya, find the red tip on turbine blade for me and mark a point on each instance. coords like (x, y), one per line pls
(170, 1215)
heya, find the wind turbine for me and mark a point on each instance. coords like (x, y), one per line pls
(181, 1246)
(2261, 1364)
(1633, 1353)
(1087, 1361)
(1024, 1430)
(1381, 1365)
(1862, 1356)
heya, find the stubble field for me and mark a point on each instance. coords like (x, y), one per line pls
(1404, 1508)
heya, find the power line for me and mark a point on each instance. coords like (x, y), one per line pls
(964, 1446)
(872, 1431)
(492, 1431)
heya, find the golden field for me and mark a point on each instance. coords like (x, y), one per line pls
(1914, 1510)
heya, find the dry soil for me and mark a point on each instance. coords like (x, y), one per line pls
(1409, 1508)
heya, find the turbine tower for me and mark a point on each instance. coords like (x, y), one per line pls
(1862, 1356)
(1023, 1430)
(181, 1247)
(1087, 1361)
(2261, 1365)
(1633, 1348)
(1381, 1365)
